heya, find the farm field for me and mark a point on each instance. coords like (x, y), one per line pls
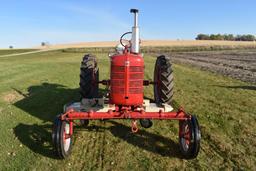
(239, 64)
(35, 87)
(162, 43)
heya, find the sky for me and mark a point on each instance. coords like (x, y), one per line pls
(27, 23)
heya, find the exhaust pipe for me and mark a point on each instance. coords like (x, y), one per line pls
(135, 47)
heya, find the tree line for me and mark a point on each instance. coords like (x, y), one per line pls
(231, 37)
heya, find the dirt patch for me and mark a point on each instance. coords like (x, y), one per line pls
(240, 64)
(12, 97)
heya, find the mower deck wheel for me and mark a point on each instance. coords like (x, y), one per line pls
(62, 141)
(189, 137)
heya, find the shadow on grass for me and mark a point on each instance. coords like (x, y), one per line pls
(37, 138)
(239, 87)
(46, 101)
(143, 139)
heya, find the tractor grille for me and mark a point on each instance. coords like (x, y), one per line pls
(135, 80)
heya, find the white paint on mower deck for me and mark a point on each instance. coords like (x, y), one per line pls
(100, 105)
(152, 107)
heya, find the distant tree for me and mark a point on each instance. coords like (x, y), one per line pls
(248, 37)
(10, 47)
(229, 37)
(220, 37)
(203, 37)
(215, 37)
(245, 37)
(238, 38)
(43, 43)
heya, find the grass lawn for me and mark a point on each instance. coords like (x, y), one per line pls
(12, 51)
(35, 87)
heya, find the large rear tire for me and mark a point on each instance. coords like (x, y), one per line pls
(89, 77)
(163, 78)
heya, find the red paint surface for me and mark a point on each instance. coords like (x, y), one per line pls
(126, 79)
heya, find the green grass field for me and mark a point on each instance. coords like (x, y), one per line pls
(13, 51)
(35, 87)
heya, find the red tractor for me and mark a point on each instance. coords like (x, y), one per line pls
(124, 99)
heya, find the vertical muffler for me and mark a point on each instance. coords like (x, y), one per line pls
(135, 41)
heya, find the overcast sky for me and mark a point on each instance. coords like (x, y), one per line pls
(26, 23)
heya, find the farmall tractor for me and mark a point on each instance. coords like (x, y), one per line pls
(124, 99)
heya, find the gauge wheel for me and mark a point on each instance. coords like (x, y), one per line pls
(62, 141)
(189, 137)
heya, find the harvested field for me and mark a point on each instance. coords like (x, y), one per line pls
(161, 43)
(236, 64)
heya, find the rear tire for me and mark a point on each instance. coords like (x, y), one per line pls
(163, 77)
(89, 77)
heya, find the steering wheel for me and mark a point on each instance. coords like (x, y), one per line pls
(122, 39)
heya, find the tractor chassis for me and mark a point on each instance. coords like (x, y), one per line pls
(99, 109)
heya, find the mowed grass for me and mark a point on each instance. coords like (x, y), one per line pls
(13, 51)
(35, 87)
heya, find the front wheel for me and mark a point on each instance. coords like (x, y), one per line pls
(62, 140)
(189, 137)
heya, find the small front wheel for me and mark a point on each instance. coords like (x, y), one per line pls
(84, 122)
(146, 123)
(189, 137)
(62, 140)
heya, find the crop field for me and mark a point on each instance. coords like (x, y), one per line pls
(34, 88)
(165, 43)
(236, 64)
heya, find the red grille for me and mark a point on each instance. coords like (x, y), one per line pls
(136, 83)
(135, 80)
(136, 69)
(135, 90)
(117, 90)
(118, 83)
(117, 68)
(136, 76)
(117, 75)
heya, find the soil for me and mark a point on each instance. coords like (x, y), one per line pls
(238, 64)
(12, 97)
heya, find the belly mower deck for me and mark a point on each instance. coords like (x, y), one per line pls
(99, 108)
